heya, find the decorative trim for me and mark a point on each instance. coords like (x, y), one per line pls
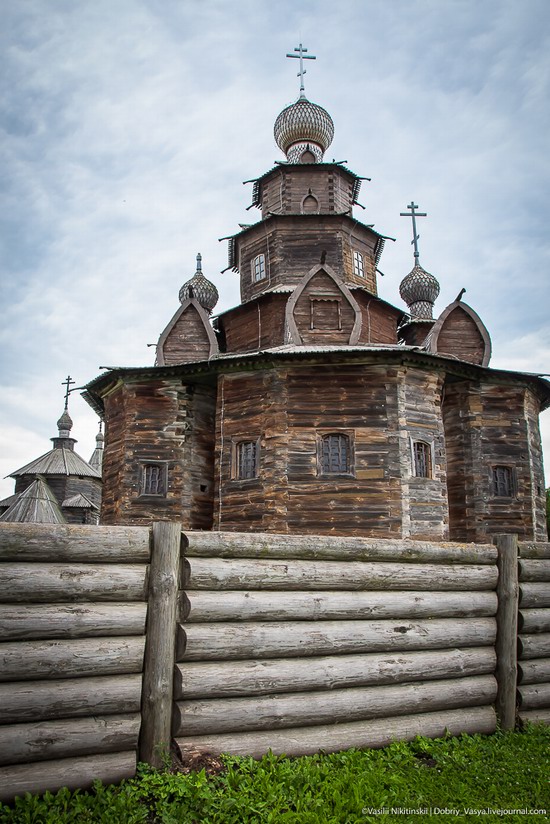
(433, 337)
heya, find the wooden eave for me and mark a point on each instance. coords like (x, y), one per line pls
(256, 191)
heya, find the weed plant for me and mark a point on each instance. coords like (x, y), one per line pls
(469, 778)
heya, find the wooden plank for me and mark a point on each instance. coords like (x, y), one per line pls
(37, 621)
(536, 671)
(534, 570)
(335, 737)
(34, 660)
(533, 549)
(46, 583)
(48, 740)
(204, 606)
(325, 547)
(74, 773)
(533, 696)
(41, 700)
(270, 712)
(205, 642)
(74, 544)
(538, 716)
(534, 596)
(225, 573)
(158, 667)
(534, 646)
(534, 620)
(507, 628)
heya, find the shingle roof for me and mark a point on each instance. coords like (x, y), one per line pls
(36, 504)
(78, 501)
(58, 461)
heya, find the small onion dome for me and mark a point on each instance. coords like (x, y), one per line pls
(419, 290)
(65, 424)
(200, 288)
(307, 127)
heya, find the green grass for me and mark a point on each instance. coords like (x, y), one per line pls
(483, 773)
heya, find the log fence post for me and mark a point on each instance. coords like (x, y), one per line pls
(158, 665)
(507, 629)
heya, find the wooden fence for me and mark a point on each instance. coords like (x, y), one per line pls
(118, 640)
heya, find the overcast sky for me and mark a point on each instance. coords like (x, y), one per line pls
(128, 127)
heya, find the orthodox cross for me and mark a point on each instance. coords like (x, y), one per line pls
(414, 214)
(301, 56)
(67, 382)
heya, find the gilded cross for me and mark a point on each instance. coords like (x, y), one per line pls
(67, 383)
(414, 214)
(301, 56)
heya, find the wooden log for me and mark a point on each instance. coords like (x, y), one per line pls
(536, 671)
(507, 627)
(534, 646)
(47, 740)
(74, 773)
(534, 570)
(21, 622)
(534, 620)
(34, 660)
(533, 696)
(538, 716)
(377, 732)
(269, 712)
(158, 668)
(530, 549)
(535, 596)
(243, 573)
(204, 606)
(41, 700)
(210, 642)
(74, 543)
(304, 547)
(47, 583)
(240, 678)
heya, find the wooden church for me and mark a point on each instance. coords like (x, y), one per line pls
(315, 406)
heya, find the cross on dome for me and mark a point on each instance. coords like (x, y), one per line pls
(67, 383)
(301, 56)
(414, 214)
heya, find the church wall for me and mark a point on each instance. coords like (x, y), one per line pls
(187, 340)
(461, 338)
(379, 322)
(91, 487)
(285, 191)
(322, 313)
(256, 325)
(538, 497)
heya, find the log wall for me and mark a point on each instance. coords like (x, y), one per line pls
(533, 692)
(302, 643)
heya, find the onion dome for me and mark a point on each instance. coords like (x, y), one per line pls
(200, 288)
(65, 424)
(419, 290)
(304, 127)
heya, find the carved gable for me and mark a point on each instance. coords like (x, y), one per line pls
(460, 333)
(322, 310)
(188, 337)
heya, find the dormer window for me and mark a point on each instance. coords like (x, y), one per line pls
(258, 268)
(358, 265)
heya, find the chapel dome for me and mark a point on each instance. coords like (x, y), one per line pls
(419, 289)
(199, 288)
(301, 124)
(65, 423)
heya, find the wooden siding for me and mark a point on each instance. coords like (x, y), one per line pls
(187, 340)
(460, 337)
(323, 313)
(379, 320)
(256, 325)
(285, 190)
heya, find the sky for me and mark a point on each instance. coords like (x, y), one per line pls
(127, 129)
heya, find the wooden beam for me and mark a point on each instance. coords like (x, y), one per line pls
(507, 629)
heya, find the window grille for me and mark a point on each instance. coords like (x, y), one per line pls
(422, 457)
(246, 454)
(153, 481)
(358, 266)
(502, 482)
(258, 268)
(335, 454)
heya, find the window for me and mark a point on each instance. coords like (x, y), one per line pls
(153, 479)
(422, 459)
(325, 314)
(258, 268)
(246, 460)
(334, 454)
(502, 482)
(358, 267)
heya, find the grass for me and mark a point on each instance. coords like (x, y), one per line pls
(469, 778)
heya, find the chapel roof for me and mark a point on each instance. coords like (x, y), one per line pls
(36, 504)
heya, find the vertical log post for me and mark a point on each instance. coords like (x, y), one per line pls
(507, 629)
(158, 666)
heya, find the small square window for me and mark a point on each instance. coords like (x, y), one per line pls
(502, 481)
(334, 454)
(258, 268)
(245, 460)
(325, 314)
(358, 265)
(422, 459)
(153, 479)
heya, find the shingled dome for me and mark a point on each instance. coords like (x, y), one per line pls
(199, 288)
(302, 126)
(419, 290)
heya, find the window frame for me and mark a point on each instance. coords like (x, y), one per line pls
(428, 458)
(511, 483)
(314, 299)
(162, 466)
(358, 264)
(236, 459)
(258, 265)
(349, 472)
